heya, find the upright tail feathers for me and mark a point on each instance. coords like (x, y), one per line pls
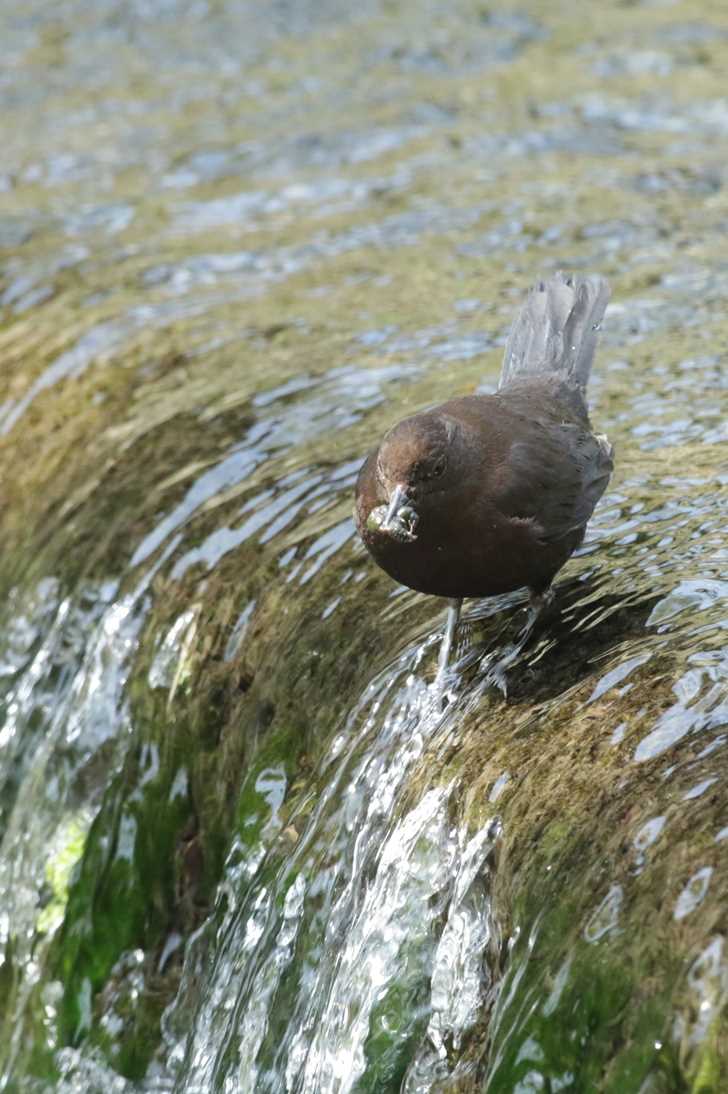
(556, 329)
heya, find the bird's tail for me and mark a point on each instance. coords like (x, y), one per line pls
(556, 329)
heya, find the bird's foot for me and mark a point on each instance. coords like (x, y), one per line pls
(537, 605)
(497, 663)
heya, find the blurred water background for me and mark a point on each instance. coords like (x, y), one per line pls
(245, 844)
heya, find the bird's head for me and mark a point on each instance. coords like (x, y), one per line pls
(413, 464)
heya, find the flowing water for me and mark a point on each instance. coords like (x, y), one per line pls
(248, 841)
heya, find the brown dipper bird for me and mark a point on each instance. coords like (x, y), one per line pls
(489, 493)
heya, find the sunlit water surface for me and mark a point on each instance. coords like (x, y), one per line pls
(247, 841)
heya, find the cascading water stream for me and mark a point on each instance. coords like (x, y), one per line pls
(243, 845)
(66, 719)
(371, 921)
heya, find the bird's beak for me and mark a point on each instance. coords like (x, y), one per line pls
(397, 502)
(401, 518)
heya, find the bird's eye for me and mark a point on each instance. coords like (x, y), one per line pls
(437, 468)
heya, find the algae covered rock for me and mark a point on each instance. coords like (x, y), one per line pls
(245, 843)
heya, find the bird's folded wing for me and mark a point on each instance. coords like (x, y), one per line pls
(554, 479)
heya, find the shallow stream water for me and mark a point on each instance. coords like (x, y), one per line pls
(247, 841)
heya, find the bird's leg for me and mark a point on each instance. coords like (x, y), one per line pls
(537, 604)
(453, 615)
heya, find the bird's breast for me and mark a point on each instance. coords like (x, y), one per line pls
(460, 553)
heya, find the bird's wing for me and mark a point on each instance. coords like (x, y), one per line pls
(554, 478)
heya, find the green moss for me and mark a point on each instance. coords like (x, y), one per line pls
(397, 1024)
(70, 841)
(577, 1009)
(99, 458)
(708, 1065)
(127, 877)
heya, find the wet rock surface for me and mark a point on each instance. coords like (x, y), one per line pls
(244, 843)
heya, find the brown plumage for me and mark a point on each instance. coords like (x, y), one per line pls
(488, 493)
